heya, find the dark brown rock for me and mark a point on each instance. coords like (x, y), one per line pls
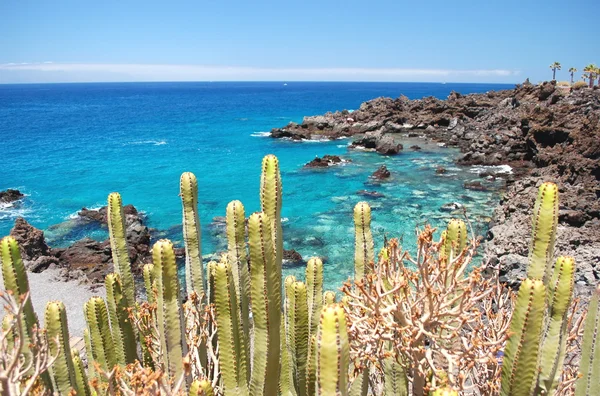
(291, 255)
(10, 195)
(91, 257)
(326, 161)
(370, 194)
(440, 170)
(30, 239)
(415, 148)
(382, 173)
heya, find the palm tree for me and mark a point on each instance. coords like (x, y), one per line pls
(572, 71)
(590, 72)
(555, 66)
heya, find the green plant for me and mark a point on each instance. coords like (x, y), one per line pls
(118, 245)
(589, 383)
(555, 66)
(572, 71)
(63, 369)
(188, 190)
(579, 85)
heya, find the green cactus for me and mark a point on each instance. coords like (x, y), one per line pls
(553, 347)
(89, 352)
(545, 220)
(122, 329)
(266, 306)
(169, 311)
(311, 366)
(118, 245)
(520, 365)
(395, 380)
(589, 383)
(360, 385)
(232, 345)
(286, 377)
(288, 344)
(57, 332)
(363, 239)
(298, 334)
(148, 273)
(188, 190)
(444, 392)
(236, 243)
(270, 202)
(332, 352)
(314, 286)
(201, 388)
(455, 238)
(329, 297)
(82, 386)
(100, 337)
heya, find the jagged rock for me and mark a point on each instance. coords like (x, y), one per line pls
(100, 215)
(475, 186)
(326, 161)
(386, 145)
(10, 195)
(415, 148)
(382, 173)
(30, 239)
(291, 255)
(370, 194)
(91, 257)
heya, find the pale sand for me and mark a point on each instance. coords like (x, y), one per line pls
(47, 286)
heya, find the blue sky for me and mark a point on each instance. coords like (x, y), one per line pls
(392, 40)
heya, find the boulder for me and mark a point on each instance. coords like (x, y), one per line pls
(386, 145)
(440, 170)
(30, 239)
(91, 257)
(10, 195)
(326, 161)
(382, 173)
(415, 148)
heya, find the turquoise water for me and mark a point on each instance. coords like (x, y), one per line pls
(68, 145)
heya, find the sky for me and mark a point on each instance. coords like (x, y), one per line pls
(309, 40)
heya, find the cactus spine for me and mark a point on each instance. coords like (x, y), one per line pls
(521, 354)
(589, 383)
(122, 328)
(100, 337)
(236, 243)
(232, 344)
(363, 239)
(57, 331)
(188, 190)
(545, 220)
(118, 245)
(332, 352)
(169, 318)
(266, 306)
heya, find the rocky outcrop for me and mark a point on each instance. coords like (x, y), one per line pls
(10, 195)
(382, 143)
(36, 254)
(382, 173)
(326, 161)
(542, 132)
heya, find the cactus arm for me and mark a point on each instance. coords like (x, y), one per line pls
(266, 307)
(270, 202)
(360, 385)
(363, 239)
(329, 297)
(89, 352)
(169, 318)
(290, 334)
(82, 386)
(519, 367)
(545, 220)
(118, 245)
(188, 190)
(286, 380)
(300, 335)
(554, 342)
(395, 381)
(201, 388)
(148, 273)
(589, 383)
(57, 331)
(236, 243)
(232, 346)
(122, 328)
(455, 238)
(314, 286)
(332, 352)
(311, 366)
(100, 336)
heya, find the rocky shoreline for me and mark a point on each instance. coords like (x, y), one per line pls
(545, 133)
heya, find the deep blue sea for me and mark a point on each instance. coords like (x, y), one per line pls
(68, 145)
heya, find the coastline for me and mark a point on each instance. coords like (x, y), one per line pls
(543, 132)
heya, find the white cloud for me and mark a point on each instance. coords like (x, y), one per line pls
(92, 72)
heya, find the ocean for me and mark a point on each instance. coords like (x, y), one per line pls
(67, 146)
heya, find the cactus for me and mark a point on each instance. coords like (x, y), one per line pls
(188, 190)
(236, 243)
(329, 297)
(444, 392)
(519, 367)
(82, 386)
(286, 377)
(266, 306)
(169, 312)
(589, 383)
(553, 347)
(100, 337)
(455, 238)
(270, 203)
(314, 286)
(233, 346)
(201, 388)
(360, 385)
(57, 331)
(297, 326)
(332, 352)
(311, 366)
(122, 329)
(545, 220)
(363, 240)
(118, 246)
(148, 273)
(395, 381)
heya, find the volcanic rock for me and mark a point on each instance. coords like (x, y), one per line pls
(382, 173)
(10, 195)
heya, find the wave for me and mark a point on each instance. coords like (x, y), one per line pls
(261, 134)
(153, 142)
(501, 169)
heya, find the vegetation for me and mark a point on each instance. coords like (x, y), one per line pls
(572, 71)
(590, 72)
(579, 85)
(555, 66)
(428, 324)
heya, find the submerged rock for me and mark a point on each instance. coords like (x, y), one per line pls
(370, 194)
(326, 161)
